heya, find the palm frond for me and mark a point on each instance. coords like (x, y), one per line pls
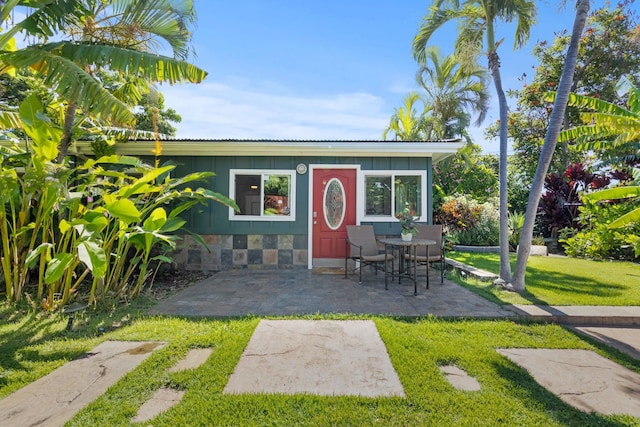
(156, 68)
(166, 19)
(70, 81)
(591, 103)
(430, 23)
(586, 131)
(626, 219)
(525, 13)
(46, 19)
(626, 87)
(10, 120)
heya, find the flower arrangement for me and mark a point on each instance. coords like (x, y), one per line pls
(407, 222)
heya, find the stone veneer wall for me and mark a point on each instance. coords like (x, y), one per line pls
(241, 251)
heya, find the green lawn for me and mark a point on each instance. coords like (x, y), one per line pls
(560, 281)
(30, 348)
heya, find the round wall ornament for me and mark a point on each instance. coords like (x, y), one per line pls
(301, 168)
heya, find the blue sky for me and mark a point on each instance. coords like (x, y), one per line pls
(303, 69)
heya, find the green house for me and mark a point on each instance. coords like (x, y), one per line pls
(296, 197)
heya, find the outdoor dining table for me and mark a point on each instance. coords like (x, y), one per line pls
(406, 268)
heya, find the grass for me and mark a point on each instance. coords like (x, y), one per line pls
(560, 280)
(32, 347)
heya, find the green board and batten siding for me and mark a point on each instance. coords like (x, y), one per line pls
(214, 219)
(273, 244)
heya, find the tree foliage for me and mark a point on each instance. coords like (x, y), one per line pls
(468, 173)
(477, 22)
(409, 122)
(556, 119)
(120, 36)
(606, 53)
(104, 220)
(453, 93)
(154, 117)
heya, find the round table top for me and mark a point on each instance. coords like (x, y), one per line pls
(396, 241)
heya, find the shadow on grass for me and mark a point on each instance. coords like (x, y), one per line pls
(548, 286)
(565, 282)
(24, 335)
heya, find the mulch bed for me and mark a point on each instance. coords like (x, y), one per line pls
(167, 284)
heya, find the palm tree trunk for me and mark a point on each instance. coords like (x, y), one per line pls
(550, 141)
(505, 266)
(65, 140)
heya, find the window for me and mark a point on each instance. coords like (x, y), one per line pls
(263, 195)
(387, 193)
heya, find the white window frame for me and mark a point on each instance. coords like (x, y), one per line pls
(262, 173)
(362, 194)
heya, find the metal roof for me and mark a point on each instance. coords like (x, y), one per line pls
(438, 150)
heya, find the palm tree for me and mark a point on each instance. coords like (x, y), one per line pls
(452, 91)
(551, 138)
(409, 124)
(479, 21)
(118, 35)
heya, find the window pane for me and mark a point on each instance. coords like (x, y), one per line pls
(276, 194)
(248, 194)
(378, 195)
(334, 206)
(408, 194)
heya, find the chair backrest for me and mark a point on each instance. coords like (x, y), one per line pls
(430, 232)
(362, 235)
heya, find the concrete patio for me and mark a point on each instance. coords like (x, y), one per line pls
(298, 292)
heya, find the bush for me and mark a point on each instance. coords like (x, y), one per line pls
(108, 220)
(596, 239)
(559, 204)
(516, 222)
(469, 222)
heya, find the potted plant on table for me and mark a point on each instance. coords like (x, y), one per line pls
(408, 224)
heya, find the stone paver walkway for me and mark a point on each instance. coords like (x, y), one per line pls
(296, 292)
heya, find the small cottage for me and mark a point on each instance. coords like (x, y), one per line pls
(296, 197)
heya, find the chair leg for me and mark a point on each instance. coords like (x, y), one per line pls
(346, 260)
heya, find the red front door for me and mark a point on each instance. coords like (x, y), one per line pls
(334, 207)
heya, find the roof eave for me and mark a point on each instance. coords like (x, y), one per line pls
(438, 150)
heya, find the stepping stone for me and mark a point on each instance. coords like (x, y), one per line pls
(626, 340)
(194, 359)
(52, 400)
(320, 357)
(162, 400)
(165, 398)
(582, 378)
(459, 378)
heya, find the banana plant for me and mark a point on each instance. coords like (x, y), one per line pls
(100, 220)
(614, 127)
(31, 187)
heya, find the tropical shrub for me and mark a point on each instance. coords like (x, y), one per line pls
(596, 238)
(103, 220)
(469, 222)
(469, 173)
(516, 222)
(558, 207)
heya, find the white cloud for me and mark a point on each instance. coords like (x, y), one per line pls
(235, 110)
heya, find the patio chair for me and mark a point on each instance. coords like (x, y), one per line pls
(362, 248)
(436, 252)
